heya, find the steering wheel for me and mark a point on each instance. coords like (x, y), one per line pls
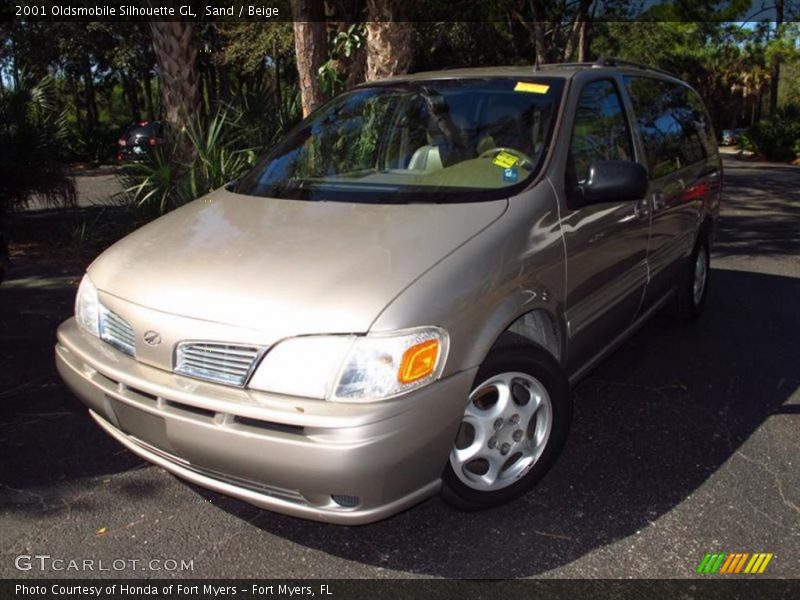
(525, 161)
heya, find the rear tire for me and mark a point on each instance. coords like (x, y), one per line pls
(515, 424)
(692, 290)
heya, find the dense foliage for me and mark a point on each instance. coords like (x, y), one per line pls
(220, 154)
(68, 90)
(778, 137)
(31, 130)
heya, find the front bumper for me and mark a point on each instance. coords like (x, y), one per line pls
(327, 461)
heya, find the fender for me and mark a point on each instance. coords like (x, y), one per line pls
(513, 268)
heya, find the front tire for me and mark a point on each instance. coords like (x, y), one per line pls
(515, 423)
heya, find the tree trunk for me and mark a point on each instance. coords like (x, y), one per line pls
(536, 32)
(205, 92)
(132, 92)
(774, 83)
(76, 98)
(224, 83)
(356, 69)
(148, 94)
(343, 14)
(389, 47)
(276, 81)
(578, 26)
(212, 87)
(583, 42)
(538, 28)
(311, 48)
(91, 98)
(178, 75)
(14, 62)
(759, 104)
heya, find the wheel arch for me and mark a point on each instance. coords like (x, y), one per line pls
(707, 227)
(538, 327)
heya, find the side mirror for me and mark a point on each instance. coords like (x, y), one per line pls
(613, 181)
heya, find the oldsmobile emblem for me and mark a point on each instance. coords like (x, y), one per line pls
(152, 338)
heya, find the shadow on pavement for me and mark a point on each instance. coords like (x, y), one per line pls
(46, 436)
(652, 424)
(761, 216)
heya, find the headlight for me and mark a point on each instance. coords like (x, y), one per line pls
(87, 307)
(304, 366)
(354, 368)
(382, 366)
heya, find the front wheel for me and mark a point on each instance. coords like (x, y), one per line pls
(514, 426)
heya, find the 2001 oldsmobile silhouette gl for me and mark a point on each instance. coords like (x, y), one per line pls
(395, 301)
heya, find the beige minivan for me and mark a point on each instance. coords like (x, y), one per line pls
(395, 301)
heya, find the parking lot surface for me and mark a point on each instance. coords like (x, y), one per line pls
(684, 442)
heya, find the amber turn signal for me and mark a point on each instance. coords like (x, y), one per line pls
(418, 361)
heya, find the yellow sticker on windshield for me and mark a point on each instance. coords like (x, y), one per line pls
(531, 88)
(505, 160)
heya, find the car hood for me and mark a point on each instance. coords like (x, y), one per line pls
(285, 267)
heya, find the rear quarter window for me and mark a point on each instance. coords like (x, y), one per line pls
(673, 123)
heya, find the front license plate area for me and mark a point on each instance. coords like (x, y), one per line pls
(142, 425)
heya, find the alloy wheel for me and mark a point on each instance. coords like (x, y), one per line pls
(700, 275)
(505, 429)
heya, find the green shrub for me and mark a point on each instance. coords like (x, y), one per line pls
(97, 145)
(259, 120)
(222, 148)
(776, 138)
(745, 143)
(32, 133)
(221, 155)
(218, 155)
(159, 184)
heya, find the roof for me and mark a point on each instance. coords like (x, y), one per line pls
(561, 70)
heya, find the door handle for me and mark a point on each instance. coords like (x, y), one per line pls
(658, 201)
(642, 209)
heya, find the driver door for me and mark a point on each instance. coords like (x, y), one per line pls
(606, 243)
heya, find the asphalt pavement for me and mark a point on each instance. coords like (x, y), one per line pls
(684, 442)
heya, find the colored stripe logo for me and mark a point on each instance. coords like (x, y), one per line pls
(734, 563)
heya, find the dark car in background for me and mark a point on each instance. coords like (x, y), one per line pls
(139, 139)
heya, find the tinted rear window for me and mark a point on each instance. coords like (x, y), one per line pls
(149, 129)
(673, 123)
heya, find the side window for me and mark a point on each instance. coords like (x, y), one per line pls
(673, 124)
(600, 131)
(702, 123)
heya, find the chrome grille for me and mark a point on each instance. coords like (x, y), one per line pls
(222, 363)
(116, 331)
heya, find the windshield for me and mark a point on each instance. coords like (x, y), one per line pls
(459, 140)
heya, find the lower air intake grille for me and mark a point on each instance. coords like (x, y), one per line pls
(222, 363)
(116, 331)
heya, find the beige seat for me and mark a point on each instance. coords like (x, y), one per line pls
(426, 158)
